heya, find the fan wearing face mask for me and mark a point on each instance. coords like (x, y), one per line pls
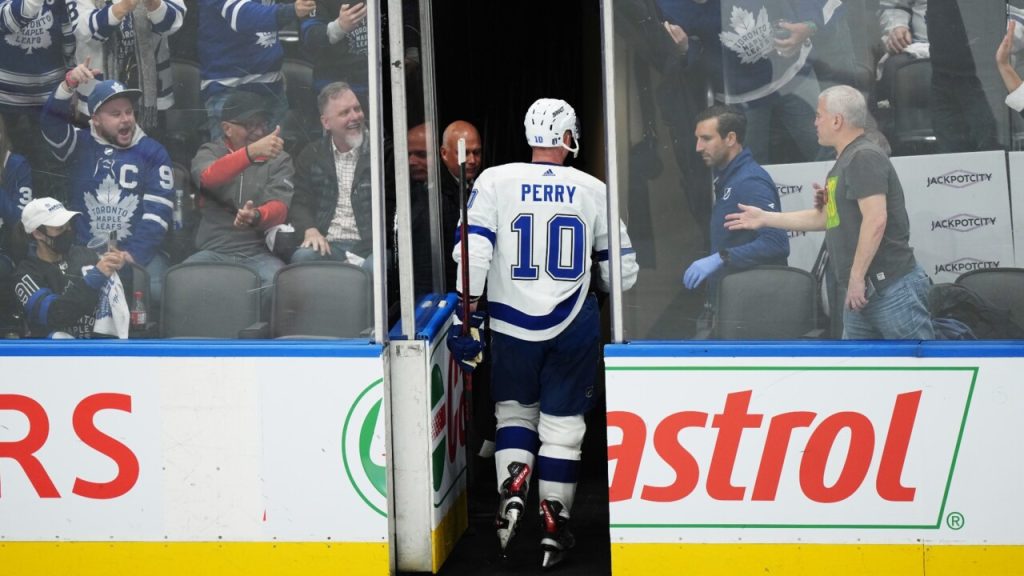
(58, 284)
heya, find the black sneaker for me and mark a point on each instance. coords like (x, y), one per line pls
(557, 539)
(512, 504)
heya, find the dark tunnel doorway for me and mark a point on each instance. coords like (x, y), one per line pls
(492, 60)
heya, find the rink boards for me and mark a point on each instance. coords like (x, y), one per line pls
(810, 458)
(187, 457)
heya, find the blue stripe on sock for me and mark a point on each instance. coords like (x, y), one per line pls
(516, 437)
(557, 469)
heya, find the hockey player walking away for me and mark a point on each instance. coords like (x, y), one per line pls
(532, 228)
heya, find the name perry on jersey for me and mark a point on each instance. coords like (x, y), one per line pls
(547, 193)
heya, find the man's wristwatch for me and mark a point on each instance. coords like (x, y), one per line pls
(724, 254)
(256, 219)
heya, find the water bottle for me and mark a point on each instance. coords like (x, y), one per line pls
(178, 199)
(138, 319)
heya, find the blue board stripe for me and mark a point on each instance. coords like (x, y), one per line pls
(818, 349)
(194, 348)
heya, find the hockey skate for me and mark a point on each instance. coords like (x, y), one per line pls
(512, 504)
(557, 539)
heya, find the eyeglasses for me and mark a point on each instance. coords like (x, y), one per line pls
(251, 125)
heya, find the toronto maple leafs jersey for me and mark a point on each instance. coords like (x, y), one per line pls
(752, 67)
(37, 49)
(15, 192)
(125, 190)
(238, 42)
(96, 31)
(532, 231)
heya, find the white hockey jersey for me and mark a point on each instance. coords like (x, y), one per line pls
(532, 230)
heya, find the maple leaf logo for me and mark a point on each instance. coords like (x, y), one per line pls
(266, 39)
(35, 36)
(750, 39)
(108, 211)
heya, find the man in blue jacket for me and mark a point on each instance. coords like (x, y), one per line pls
(738, 179)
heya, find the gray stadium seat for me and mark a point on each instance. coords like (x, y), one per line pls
(912, 117)
(1002, 287)
(209, 300)
(321, 300)
(767, 303)
(186, 120)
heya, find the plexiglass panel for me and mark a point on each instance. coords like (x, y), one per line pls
(939, 128)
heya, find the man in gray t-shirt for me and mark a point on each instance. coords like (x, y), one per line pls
(866, 228)
(861, 171)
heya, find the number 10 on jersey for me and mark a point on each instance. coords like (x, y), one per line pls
(564, 246)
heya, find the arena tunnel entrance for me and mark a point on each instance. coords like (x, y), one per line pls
(493, 60)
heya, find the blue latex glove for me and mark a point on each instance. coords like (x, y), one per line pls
(468, 349)
(701, 269)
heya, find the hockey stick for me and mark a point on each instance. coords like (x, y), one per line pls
(464, 231)
(464, 247)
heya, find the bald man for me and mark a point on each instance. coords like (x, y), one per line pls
(484, 422)
(450, 149)
(417, 138)
(450, 183)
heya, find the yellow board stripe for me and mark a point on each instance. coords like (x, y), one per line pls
(816, 559)
(449, 530)
(177, 558)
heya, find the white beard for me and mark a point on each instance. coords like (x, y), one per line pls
(354, 141)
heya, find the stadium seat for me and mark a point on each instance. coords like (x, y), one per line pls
(912, 118)
(321, 300)
(1003, 287)
(301, 124)
(186, 120)
(767, 303)
(209, 300)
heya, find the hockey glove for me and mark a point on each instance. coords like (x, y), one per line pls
(468, 349)
(701, 269)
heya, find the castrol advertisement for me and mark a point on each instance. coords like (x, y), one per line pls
(814, 450)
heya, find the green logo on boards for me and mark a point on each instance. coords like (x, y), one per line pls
(439, 419)
(362, 447)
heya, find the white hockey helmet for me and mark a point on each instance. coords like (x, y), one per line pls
(546, 122)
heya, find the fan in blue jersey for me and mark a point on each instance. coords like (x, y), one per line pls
(119, 178)
(15, 193)
(37, 48)
(532, 231)
(239, 50)
(127, 41)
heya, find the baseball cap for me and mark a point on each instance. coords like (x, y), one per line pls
(242, 106)
(104, 91)
(45, 212)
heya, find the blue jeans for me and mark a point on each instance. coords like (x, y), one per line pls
(265, 265)
(338, 249)
(792, 108)
(900, 312)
